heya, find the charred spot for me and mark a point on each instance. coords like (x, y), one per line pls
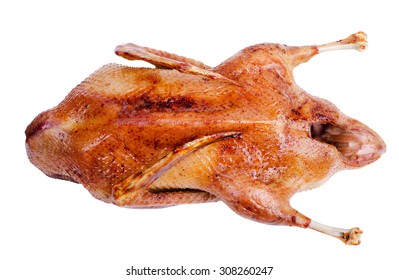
(186, 102)
(295, 112)
(165, 104)
(156, 143)
(146, 102)
(322, 117)
(62, 136)
(173, 102)
(254, 48)
(248, 207)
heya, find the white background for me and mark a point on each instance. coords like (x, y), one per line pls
(51, 229)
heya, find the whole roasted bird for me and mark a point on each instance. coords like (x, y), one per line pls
(242, 132)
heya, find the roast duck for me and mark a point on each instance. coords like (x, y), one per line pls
(183, 132)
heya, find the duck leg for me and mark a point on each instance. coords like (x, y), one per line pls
(262, 203)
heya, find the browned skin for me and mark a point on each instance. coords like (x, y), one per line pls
(242, 132)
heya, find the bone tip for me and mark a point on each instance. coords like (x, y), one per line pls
(360, 40)
(352, 236)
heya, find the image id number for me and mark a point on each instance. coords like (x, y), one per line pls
(239, 270)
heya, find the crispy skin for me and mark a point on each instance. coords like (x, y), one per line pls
(242, 132)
